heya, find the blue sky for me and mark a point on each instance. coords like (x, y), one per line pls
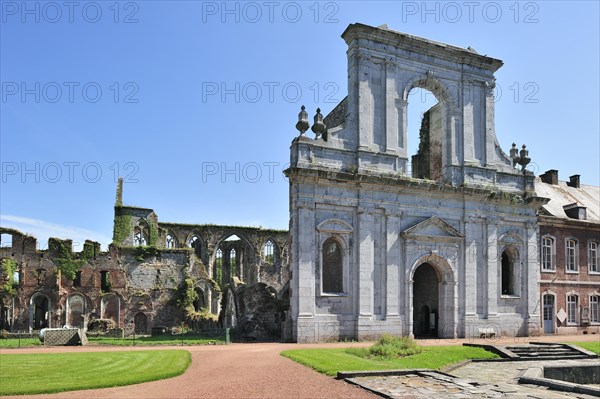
(194, 103)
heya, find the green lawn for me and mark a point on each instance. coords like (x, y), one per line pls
(157, 340)
(47, 373)
(330, 361)
(591, 346)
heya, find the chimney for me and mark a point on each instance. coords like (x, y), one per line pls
(575, 211)
(550, 177)
(574, 181)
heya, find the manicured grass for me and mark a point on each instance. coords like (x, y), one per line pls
(330, 361)
(57, 372)
(157, 340)
(591, 346)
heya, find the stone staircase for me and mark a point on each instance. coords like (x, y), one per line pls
(543, 351)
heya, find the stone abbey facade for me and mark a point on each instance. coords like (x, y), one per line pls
(154, 275)
(456, 240)
(449, 250)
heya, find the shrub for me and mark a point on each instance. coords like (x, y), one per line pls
(100, 326)
(389, 346)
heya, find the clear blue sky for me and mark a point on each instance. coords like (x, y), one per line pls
(194, 103)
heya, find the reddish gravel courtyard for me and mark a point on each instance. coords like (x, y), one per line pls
(246, 371)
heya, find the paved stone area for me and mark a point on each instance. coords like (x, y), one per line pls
(473, 380)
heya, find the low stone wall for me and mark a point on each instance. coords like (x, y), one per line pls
(577, 374)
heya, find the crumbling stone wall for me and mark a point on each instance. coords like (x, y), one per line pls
(139, 286)
(260, 312)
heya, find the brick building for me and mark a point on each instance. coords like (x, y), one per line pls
(569, 255)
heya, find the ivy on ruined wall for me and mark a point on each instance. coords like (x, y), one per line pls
(9, 285)
(67, 262)
(152, 234)
(122, 228)
(142, 253)
(186, 296)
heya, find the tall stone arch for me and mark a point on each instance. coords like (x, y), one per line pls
(40, 308)
(356, 169)
(447, 296)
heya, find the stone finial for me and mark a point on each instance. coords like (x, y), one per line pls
(302, 124)
(318, 127)
(524, 155)
(520, 157)
(514, 155)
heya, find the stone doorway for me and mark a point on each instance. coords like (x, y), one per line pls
(425, 301)
(140, 321)
(39, 312)
(76, 311)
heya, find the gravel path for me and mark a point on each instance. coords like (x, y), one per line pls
(227, 371)
(248, 371)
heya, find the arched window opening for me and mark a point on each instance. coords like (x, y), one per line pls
(269, 253)
(509, 258)
(140, 238)
(332, 270)
(218, 272)
(196, 244)
(170, 241)
(77, 279)
(6, 240)
(238, 254)
(105, 285)
(199, 302)
(232, 264)
(425, 134)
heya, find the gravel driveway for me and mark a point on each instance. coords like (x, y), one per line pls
(250, 371)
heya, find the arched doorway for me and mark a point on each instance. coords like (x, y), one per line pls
(39, 312)
(140, 321)
(200, 301)
(76, 311)
(426, 301)
(111, 308)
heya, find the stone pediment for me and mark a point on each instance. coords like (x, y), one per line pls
(334, 226)
(433, 228)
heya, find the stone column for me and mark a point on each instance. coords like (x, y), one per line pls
(531, 278)
(470, 269)
(468, 111)
(492, 266)
(302, 284)
(365, 269)
(490, 129)
(394, 289)
(365, 123)
(401, 111)
(307, 254)
(391, 116)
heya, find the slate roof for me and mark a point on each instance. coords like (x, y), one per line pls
(562, 194)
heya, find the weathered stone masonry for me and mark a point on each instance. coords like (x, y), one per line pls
(446, 251)
(154, 274)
